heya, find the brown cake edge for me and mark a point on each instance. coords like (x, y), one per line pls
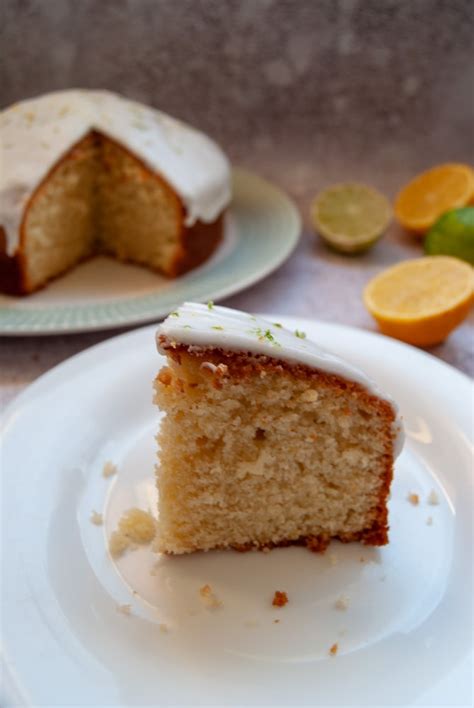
(376, 535)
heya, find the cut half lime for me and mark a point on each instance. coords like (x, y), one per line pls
(453, 235)
(350, 217)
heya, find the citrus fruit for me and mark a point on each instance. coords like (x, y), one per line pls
(421, 301)
(350, 217)
(429, 195)
(453, 235)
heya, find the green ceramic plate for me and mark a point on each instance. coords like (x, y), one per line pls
(262, 229)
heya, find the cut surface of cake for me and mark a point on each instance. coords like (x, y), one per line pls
(90, 172)
(267, 440)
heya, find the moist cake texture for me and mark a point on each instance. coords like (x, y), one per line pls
(88, 172)
(266, 440)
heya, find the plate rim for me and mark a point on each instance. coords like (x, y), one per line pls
(132, 320)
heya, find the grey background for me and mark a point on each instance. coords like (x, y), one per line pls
(389, 82)
(305, 92)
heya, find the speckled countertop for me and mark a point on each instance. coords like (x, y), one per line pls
(304, 92)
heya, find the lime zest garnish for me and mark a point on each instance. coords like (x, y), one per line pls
(267, 334)
(300, 335)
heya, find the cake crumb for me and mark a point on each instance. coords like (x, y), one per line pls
(109, 469)
(135, 527)
(118, 544)
(163, 628)
(342, 603)
(429, 521)
(280, 599)
(333, 559)
(138, 525)
(433, 498)
(413, 499)
(266, 549)
(124, 609)
(334, 649)
(276, 621)
(96, 518)
(209, 598)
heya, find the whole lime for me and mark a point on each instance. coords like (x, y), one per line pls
(453, 235)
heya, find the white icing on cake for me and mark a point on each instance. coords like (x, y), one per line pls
(210, 326)
(36, 133)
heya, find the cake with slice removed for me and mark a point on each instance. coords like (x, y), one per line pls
(267, 440)
(84, 173)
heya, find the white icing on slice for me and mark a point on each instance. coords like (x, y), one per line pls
(36, 133)
(210, 326)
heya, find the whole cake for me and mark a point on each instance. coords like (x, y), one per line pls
(267, 440)
(87, 172)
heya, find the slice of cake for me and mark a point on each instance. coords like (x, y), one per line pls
(267, 440)
(88, 172)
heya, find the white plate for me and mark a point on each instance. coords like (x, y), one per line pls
(261, 230)
(404, 639)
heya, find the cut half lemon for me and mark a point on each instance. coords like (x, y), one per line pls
(422, 300)
(350, 217)
(425, 198)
